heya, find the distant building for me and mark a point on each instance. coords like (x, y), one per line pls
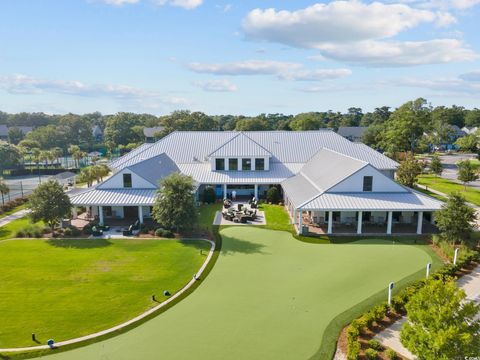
(469, 130)
(97, 133)
(4, 130)
(352, 133)
(150, 132)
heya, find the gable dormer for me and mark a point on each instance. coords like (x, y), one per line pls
(240, 153)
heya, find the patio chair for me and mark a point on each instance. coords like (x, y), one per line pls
(96, 231)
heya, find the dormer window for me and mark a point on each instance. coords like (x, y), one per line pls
(260, 164)
(127, 180)
(220, 164)
(233, 164)
(246, 164)
(367, 183)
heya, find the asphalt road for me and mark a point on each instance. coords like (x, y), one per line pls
(450, 169)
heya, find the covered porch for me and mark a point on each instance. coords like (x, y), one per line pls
(114, 206)
(365, 213)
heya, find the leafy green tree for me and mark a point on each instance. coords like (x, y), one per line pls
(455, 219)
(175, 206)
(209, 195)
(436, 166)
(273, 195)
(49, 203)
(306, 121)
(74, 151)
(118, 130)
(4, 190)
(468, 143)
(472, 118)
(408, 171)
(15, 135)
(252, 124)
(466, 172)
(406, 126)
(10, 156)
(372, 135)
(441, 323)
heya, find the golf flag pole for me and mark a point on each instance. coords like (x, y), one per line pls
(429, 265)
(455, 256)
(390, 288)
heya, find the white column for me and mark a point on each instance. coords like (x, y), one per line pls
(256, 191)
(140, 214)
(420, 222)
(330, 222)
(389, 223)
(300, 222)
(227, 165)
(252, 165)
(74, 212)
(239, 164)
(224, 191)
(359, 222)
(100, 215)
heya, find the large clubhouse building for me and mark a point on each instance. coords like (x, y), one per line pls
(326, 180)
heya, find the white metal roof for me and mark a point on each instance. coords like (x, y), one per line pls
(402, 201)
(242, 145)
(192, 147)
(114, 197)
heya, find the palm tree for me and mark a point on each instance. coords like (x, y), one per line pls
(73, 150)
(4, 190)
(58, 153)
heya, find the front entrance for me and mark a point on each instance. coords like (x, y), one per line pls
(130, 212)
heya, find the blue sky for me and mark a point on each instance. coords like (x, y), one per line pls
(244, 57)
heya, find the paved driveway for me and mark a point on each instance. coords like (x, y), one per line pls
(450, 169)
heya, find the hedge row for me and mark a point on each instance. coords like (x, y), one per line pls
(10, 205)
(375, 315)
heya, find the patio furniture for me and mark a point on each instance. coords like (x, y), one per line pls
(96, 231)
(239, 207)
(227, 203)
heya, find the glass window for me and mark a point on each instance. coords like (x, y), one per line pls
(259, 164)
(233, 164)
(220, 164)
(367, 183)
(127, 180)
(246, 164)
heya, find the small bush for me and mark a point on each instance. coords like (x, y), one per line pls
(209, 195)
(67, 232)
(375, 344)
(371, 354)
(391, 354)
(20, 234)
(353, 350)
(398, 304)
(76, 232)
(160, 232)
(379, 312)
(273, 196)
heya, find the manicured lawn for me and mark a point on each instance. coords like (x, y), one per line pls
(8, 231)
(432, 194)
(62, 289)
(14, 210)
(447, 186)
(269, 296)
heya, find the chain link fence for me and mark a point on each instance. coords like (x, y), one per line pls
(22, 187)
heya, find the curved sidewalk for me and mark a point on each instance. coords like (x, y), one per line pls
(131, 321)
(15, 216)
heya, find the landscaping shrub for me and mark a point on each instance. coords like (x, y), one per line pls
(160, 232)
(76, 232)
(67, 232)
(209, 195)
(353, 350)
(379, 312)
(398, 304)
(12, 204)
(371, 354)
(273, 195)
(374, 344)
(391, 354)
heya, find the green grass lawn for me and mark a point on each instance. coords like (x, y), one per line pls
(270, 297)
(8, 231)
(447, 186)
(14, 210)
(62, 289)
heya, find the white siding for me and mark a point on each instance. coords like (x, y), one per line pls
(354, 183)
(116, 181)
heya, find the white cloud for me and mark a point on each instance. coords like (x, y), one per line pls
(445, 85)
(221, 85)
(471, 76)
(283, 70)
(23, 84)
(448, 4)
(397, 53)
(337, 21)
(186, 4)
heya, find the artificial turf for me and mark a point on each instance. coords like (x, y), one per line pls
(62, 289)
(269, 296)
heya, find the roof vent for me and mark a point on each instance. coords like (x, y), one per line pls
(195, 158)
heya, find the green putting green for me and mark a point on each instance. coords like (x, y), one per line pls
(62, 289)
(269, 296)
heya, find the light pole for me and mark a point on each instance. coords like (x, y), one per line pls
(429, 265)
(455, 256)
(390, 288)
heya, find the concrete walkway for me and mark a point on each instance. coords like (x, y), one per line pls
(15, 216)
(390, 337)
